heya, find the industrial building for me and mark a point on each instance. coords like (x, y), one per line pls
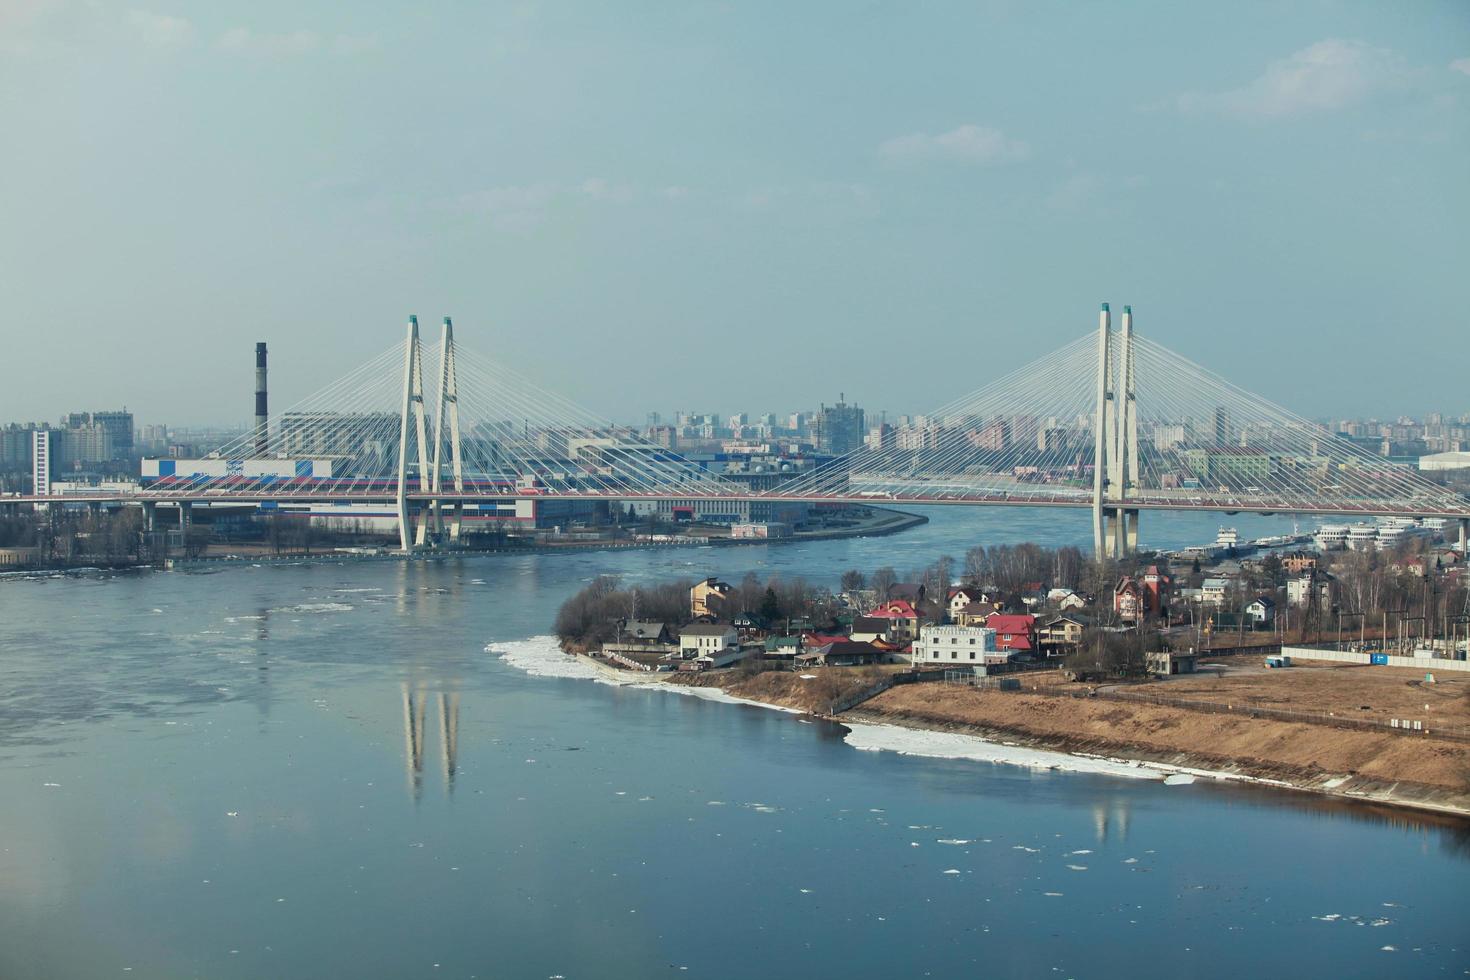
(1445, 461)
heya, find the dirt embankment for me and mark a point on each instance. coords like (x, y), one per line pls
(1345, 690)
(1386, 767)
(814, 693)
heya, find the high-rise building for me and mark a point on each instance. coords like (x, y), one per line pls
(117, 425)
(82, 446)
(1168, 436)
(840, 428)
(367, 439)
(15, 447)
(155, 437)
(994, 437)
(881, 437)
(41, 462)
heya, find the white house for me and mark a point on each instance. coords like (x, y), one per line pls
(957, 646)
(716, 644)
(1066, 599)
(1214, 591)
(868, 629)
(961, 596)
(1299, 589)
(1262, 611)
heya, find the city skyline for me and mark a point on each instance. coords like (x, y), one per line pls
(661, 416)
(805, 184)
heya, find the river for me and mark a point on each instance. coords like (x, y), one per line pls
(243, 773)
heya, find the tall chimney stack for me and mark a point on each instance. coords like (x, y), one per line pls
(262, 424)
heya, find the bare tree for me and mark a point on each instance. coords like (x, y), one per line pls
(883, 581)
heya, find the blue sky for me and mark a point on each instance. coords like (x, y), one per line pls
(730, 206)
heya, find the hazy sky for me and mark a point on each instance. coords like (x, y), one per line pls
(730, 206)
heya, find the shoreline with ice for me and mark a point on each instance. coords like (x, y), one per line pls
(542, 656)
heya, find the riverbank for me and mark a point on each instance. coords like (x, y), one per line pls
(1384, 768)
(1131, 740)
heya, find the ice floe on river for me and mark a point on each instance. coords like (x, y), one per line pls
(540, 656)
(315, 607)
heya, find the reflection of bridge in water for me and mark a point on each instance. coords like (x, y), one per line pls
(1112, 422)
(415, 715)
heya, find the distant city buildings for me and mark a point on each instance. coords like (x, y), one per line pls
(840, 428)
(82, 444)
(1213, 450)
(116, 429)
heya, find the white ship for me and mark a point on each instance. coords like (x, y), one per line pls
(1361, 537)
(1387, 534)
(1393, 531)
(1331, 537)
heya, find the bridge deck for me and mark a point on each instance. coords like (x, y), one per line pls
(1338, 508)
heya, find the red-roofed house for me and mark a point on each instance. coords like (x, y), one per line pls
(903, 617)
(1156, 586)
(1128, 599)
(1139, 598)
(1013, 632)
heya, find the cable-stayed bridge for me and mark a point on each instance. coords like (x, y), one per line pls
(1113, 421)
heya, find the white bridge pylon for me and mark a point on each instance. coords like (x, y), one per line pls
(1155, 432)
(1115, 457)
(413, 405)
(413, 418)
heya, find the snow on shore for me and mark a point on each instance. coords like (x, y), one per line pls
(712, 694)
(948, 745)
(542, 656)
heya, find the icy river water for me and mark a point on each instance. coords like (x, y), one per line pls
(373, 770)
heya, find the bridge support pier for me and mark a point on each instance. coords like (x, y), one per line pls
(1115, 443)
(1120, 531)
(1464, 535)
(184, 506)
(150, 515)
